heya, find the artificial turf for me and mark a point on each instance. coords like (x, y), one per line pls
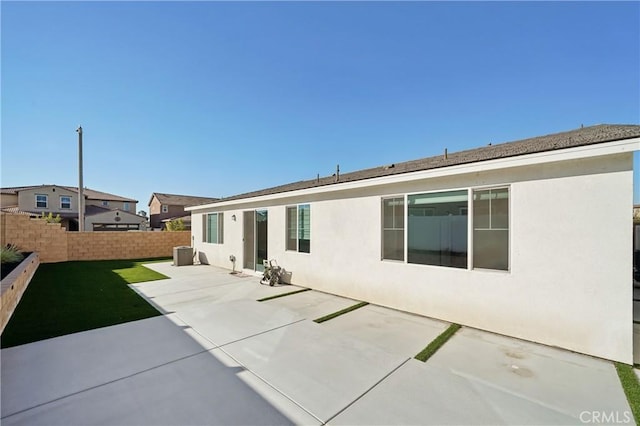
(340, 312)
(631, 387)
(69, 297)
(432, 347)
(264, 299)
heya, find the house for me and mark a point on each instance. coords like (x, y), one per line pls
(166, 207)
(103, 211)
(505, 238)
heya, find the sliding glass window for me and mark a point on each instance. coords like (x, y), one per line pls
(299, 228)
(491, 228)
(437, 228)
(214, 228)
(393, 228)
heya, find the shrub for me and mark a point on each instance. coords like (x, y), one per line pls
(10, 254)
(176, 225)
(50, 218)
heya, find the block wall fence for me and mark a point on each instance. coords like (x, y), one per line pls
(54, 244)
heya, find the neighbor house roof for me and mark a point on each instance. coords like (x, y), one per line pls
(574, 138)
(88, 193)
(181, 200)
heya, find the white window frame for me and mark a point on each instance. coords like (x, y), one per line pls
(472, 229)
(105, 203)
(404, 229)
(125, 206)
(62, 207)
(46, 201)
(220, 230)
(164, 208)
(286, 230)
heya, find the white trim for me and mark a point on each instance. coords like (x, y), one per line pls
(588, 151)
(65, 208)
(46, 201)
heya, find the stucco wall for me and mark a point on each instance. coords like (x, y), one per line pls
(569, 283)
(54, 244)
(8, 200)
(27, 199)
(113, 205)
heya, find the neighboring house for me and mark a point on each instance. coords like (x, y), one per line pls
(503, 238)
(63, 200)
(166, 207)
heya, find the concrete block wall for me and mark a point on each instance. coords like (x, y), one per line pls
(48, 239)
(124, 245)
(54, 244)
(13, 286)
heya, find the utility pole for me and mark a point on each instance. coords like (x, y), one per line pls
(80, 185)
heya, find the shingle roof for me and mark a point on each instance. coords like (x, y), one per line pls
(88, 193)
(569, 139)
(181, 200)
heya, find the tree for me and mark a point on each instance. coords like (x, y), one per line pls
(175, 225)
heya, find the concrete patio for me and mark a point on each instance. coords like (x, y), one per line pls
(218, 356)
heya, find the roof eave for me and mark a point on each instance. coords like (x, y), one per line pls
(583, 151)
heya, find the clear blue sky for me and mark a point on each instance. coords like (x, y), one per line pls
(219, 98)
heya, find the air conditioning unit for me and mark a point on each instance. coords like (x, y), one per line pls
(182, 256)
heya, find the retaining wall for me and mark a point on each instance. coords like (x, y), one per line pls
(14, 285)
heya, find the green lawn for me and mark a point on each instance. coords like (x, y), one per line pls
(69, 297)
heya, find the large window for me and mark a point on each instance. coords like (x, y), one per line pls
(214, 228)
(42, 201)
(299, 228)
(437, 228)
(65, 202)
(393, 228)
(491, 228)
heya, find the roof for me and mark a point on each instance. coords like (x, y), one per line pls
(16, 210)
(91, 194)
(181, 200)
(574, 138)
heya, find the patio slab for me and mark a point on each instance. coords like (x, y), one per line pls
(397, 332)
(54, 368)
(207, 388)
(557, 381)
(318, 369)
(223, 323)
(312, 304)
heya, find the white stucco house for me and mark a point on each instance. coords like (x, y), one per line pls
(531, 239)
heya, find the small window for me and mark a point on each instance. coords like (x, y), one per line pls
(491, 229)
(65, 202)
(214, 228)
(105, 203)
(165, 209)
(42, 201)
(125, 206)
(393, 228)
(299, 228)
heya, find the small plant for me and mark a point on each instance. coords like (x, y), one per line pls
(50, 218)
(176, 225)
(10, 254)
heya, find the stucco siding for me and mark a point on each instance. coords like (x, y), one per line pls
(27, 199)
(569, 279)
